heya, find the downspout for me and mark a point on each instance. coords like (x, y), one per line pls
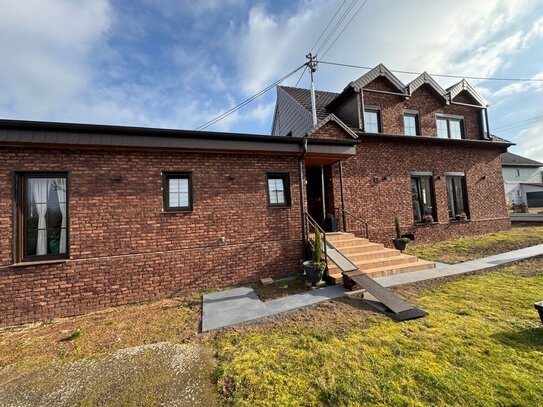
(487, 125)
(341, 193)
(363, 124)
(302, 194)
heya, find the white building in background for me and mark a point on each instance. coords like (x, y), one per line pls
(523, 180)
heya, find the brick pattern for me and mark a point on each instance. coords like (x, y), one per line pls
(427, 102)
(368, 195)
(125, 249)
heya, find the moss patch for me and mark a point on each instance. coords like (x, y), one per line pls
(481, 345)
(476, 247)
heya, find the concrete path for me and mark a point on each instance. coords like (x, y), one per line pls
(239, 305)
(526, 217)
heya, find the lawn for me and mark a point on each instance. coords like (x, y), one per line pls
(481, 345)
(476, 247)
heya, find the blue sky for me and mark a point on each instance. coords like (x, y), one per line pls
(176, 64)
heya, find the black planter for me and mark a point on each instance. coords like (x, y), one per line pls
(399, 244)
(539, 307)
(313, 274)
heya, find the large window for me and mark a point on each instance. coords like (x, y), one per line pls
(411, 124)
(278, 190)
(450, 127)
(372, 121)
(177, 187)
(422, 194)
(456, 197)
(42, 222)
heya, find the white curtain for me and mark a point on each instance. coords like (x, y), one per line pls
(61, 194)
(40, 189)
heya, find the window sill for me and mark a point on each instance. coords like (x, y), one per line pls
(279, 206)
(459, 220)
(180, 211)
(422, 224)
(38, 263)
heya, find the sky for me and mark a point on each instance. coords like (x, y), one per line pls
(180, 63)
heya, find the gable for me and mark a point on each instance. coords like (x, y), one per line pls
(465, 97)
(331, 131)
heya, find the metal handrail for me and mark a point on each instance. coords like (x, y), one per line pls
(310, 226)
(343, 223)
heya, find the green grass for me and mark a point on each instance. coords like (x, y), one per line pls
(471, 248)
(481, 345)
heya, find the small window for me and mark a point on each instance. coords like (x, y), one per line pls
(411, 124)
(450, 127)
(372, 121)
(422, 194)
(457, 197)
(177, 187)
(42, 220)
(278, 189)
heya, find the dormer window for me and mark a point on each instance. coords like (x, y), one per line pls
(411, 123)
(372, 120)
(450, 127)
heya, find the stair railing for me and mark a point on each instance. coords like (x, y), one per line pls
(342, 215)
(310, 225)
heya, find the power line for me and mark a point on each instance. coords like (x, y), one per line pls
(345, 27)
(516, 125)
(328, 25)
(301, 76)
(336, 26)
(485, 78)
(247, 101)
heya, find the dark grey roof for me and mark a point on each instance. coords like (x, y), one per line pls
(497, 138)
(303, 97)
(511, 159)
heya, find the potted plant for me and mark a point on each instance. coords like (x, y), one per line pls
(400, 242)
(462, 216)
(428, 219)
(54, 242)
(314, 268)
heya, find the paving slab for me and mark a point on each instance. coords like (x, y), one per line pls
(238, 305)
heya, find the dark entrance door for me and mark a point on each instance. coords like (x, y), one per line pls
(315, 195)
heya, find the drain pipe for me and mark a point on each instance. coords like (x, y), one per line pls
(302, 193)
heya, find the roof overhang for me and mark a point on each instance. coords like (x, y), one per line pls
(332, 118)
(464, 85)
(90, 136)
(434, 141)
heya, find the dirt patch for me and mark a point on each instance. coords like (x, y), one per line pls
(280, 289)
(161, 374)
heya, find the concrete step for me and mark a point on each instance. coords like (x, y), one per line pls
(352, 241)
(361, 248)
(367, 265)
(338, 236)
(374, 254)
(337, 277)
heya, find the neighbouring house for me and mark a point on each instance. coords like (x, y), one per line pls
(94, 216)
(523, 180)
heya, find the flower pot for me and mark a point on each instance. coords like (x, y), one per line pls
(313, 272)
(539, 307)
(399, 244)
(54, 245)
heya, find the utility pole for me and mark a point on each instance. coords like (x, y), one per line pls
(312, 65)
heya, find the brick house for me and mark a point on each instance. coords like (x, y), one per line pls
(95, 216)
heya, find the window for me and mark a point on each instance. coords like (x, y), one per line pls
(456, 196)
(42, 216)
(422, 194)
(177, 188)
(372, 121)
(278, 189)
(450, 127)
(411, 124)
(518, 172)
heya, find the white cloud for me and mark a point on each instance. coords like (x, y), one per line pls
(521, 87)
(531, 141)
(46, 46)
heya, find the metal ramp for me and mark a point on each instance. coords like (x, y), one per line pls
(377, 296)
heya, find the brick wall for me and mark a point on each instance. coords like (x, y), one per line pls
(379, 202)
(427, 102)
(125, 249)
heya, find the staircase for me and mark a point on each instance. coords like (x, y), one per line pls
(372, 259)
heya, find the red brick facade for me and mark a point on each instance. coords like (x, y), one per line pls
(124, 249)
(377, 188)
